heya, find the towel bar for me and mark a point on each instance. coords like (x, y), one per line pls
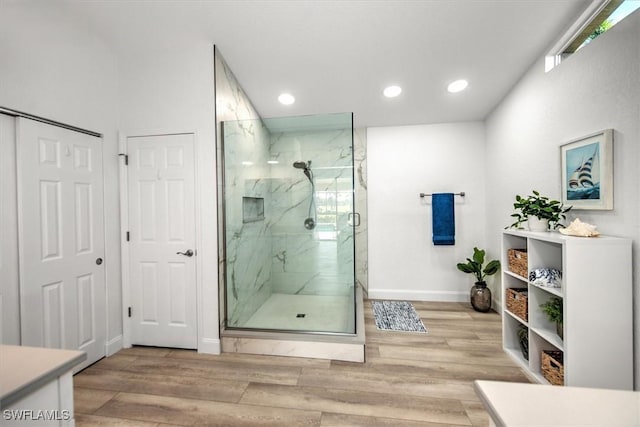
(461, 194)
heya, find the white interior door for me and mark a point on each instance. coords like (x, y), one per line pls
(162, 276)
(61, 238)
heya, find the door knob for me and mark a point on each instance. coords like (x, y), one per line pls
(188, 253)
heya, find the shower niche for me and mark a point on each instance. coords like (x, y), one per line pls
(288, 189)
(252, 209)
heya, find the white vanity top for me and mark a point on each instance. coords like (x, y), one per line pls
(25, 369)
(519, 404)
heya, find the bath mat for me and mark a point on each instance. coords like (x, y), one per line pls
(397, 316)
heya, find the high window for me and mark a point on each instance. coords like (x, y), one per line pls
(600, 16)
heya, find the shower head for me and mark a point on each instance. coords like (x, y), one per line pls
(306, 168)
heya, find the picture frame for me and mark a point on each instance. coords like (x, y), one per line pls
(587, 171)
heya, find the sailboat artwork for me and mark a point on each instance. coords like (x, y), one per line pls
(584, 180)
(587, 171)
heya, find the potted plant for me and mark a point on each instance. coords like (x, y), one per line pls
(548, 212)
(480, 294)
(523, 340)
(553, 309)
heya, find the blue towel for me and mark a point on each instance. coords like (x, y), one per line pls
(443, 219)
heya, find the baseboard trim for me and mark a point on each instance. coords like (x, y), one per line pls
(209, 346)
(393, 294)
(113, 346)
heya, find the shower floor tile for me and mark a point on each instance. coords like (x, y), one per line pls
(321, 313)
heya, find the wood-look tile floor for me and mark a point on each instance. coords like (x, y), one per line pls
(409, 379)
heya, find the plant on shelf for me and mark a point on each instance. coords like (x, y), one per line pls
(553, 309)
(480, 294)
(523, 340)
(541, 207)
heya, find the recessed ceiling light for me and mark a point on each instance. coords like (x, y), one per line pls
(392, 91)
(247, 163)
(286, 99)
(457, 86)
(273, 162)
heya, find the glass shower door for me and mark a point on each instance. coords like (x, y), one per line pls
(288, 197)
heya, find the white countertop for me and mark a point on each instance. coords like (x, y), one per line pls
(25, 369)
(519, 404)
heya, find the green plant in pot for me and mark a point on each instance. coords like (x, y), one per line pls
(548, 212)
(523, 340)
(553, 309)
(480, 294)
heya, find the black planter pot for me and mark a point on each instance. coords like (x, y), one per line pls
(480, 297)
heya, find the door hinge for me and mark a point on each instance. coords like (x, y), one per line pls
(128, 236)
(129, 312)
(126, 158)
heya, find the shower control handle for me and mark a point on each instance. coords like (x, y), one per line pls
(188, 253)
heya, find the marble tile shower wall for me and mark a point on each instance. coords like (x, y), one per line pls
(360, 190)
(303, 263)
(248, 239)
(249, 275)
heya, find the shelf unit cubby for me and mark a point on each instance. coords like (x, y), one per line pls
(596, 293)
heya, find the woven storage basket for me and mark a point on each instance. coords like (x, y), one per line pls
(517, 302)
(518, 262)
(552, 367)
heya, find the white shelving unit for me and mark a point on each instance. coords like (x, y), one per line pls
(597, 307)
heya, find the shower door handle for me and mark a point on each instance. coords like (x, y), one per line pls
(188, 253)
(352, 216)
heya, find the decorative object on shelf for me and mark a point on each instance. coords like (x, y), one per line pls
(480, 295)
(581, 229)
(552, 366)
(587, 171)
(518, 302)
(518, 261)
(537, 224)
(547, 277)
(542, 211)
(553, 309)
(523, 340)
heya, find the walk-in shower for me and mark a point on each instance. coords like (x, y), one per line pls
(289, 240)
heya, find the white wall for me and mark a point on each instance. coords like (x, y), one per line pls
(402, 163)
(170, 89)
(597, 88)
(54, 66)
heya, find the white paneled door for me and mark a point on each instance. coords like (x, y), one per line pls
(162, 263)
(61, 239)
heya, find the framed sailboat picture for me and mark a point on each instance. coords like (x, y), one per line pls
(587, 171)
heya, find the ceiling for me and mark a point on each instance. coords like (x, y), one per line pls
(338, 56)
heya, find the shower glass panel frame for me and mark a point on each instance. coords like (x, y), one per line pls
(288, 197)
